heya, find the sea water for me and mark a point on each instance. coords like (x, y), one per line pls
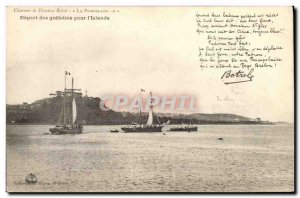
(216, 158)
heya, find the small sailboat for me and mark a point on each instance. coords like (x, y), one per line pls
(67, 122)
(148, 127)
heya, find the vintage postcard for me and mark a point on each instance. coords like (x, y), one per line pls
(150, 99)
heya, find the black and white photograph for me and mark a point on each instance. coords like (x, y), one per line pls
(140, 99)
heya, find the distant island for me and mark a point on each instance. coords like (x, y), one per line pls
(47, 111)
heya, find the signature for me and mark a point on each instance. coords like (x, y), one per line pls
(239, 77)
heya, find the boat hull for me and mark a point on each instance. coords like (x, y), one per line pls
(141, 129)
(66, 130)
(188, 129)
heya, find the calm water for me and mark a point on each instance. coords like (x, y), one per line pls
(249, 158)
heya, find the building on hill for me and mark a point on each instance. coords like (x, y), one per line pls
(18, 113)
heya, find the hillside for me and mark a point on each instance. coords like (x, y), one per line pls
(47, 111)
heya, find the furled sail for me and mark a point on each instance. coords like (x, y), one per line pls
(74, 111)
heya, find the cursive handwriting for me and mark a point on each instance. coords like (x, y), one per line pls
(235, 43)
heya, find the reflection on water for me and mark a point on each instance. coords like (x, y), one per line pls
(216, 158)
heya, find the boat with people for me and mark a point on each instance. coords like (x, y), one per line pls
(67, 121)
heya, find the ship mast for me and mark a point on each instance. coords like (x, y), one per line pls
(72, 99)
(140, 108)
(64, 106)
(151, 105)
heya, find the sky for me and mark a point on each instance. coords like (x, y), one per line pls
(151, 48)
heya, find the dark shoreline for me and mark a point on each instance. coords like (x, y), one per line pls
(269, 123)
(47, 111)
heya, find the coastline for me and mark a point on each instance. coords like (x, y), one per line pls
(220, 123)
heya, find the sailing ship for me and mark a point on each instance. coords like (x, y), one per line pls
(149, 126)
(67, 122)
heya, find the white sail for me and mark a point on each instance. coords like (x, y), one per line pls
(74, 110)
(150, 118)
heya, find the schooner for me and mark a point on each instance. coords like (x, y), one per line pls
(67, 122)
